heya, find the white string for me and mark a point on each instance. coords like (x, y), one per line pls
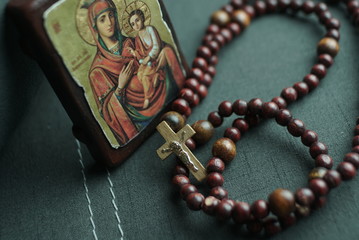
(86, 190)
(114, 204)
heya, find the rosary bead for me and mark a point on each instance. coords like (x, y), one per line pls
(272, 227)
(353, 158)
(227, 34)
(308, 7)
(283, 117)
(191, 144)
(326, 60)
(329, 46)
(228, 8)
(260, 209)
(233, 133)
(319, 187)
(242, 18)
(213, 60)
(213, 29)
(221, 18)
(181, 106)
(347, 170)
(312, 81)
(215, 165)
(197, 74)
(355, 149)
(187, 189)
(225, 149)
(215, 179)
(238, 3)
(289, 94)
(332, 23)
(239, 107)
(333, 33)
(332, 178)
(254, 226)
(180, 180)
(241, 212)
(355, 141)
(301, 88)
(195, 100)
(187, 94)
(180, 170)
(219, 193)
(204, 52)
(200, 63)
(356, 130)
(281, 202)
(319, 70)
(175, 120)
(324, 17)
(215, 119)
(207, 79)
(250, 11)
(255, 105)
(225, 109)
(210, 204)
(252, 119)
(270, 109)
(352, 6)
(202, 91)
(320, 7)
(288, 221)
(206, 39)
(295, 5)
(304, 196)
(301, 211)
(317, 148)
(192, 83)
(204, 131)
(224, 210)
(211, 71)
(271, 5)
(320, 202)
(309, 137)
(296, 127)
(195, 201)
(283, 5)
(280, 102)
(219, 39)
(241, 124)
(317, 172)
(213, 46)
(324, 160)
(260, 8)
(235, 28)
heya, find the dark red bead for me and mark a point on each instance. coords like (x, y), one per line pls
(271, 5)
(332, 23)
(356, 130)
(195, 201)
(224, 210)
(312, 81)
(202, 91)
(214, 179)
(215, 119)
(219, 192)
(206, 39)
(238, 3)
(353, 158)
(215, 165)
(213, 60)
(283, 117)
(272, 226)
(187, 94)
(319, 70)
(260, 209)
(324, 16)
(270, 109)
(213, 29)
(227, 34)
(308, 7)
(213, 46)
(352, 6)
(225, 109)
(191, 144)
(235, 28)
(232, 133)
(239, 107)
(296, 127)
(187, 189)
(260, 8)
(320, 202)
(200, 63)
(211, 71)
(255, 105)
(253, 120)
(319, 187)
(228, 8)
(326, 60)
(309, 137)
(219, 39)
(288, 221)
(241, 212)
(241, 124)
(280, 102)
(289, 94)
(180, 170)
(317, 148)
(210, 204)
(181, 106)
(333, 33)
(320, 7)
(180, 180)
(304, 196)
(250, 10)
(207, 80)
(254, 226)
(324, 160)
(195, 100)
(192, 83)
(283, 5)
(355, 149)
(347, 170)
(355, 141)
(301, 88)
(197, 74)
(204, 52)
(332, 178)
(295, 5)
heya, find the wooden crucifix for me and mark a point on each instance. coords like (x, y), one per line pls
(176, 143)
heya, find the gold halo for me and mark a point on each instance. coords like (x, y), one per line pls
(135, 5)
(82, 22)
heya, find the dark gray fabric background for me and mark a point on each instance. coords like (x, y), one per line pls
(42, 195)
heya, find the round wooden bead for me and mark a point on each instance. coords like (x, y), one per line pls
(204, 52)
(191, 144)
(317, 172)
(304, 196)
(356, 130)
(211, 71)
(289, 94)
(224, 210)
(332, 23)
(281, 202)
(333, 33)
(214, 47)
(295, 5)
(207, 80)
(225, 149)
(252, 119)
(192, 83)
(255, 105)
(324, 160)
(329, 46)
(320, 202)
(241, 124)
(197, 74)
(238, 3)
(215, 165)
(225, 109)
(213, 29)
(187, 189)
(254, 226)
(227, 34)
(309, 137)
(195, 201)
(308, 7)
(219, 192)
(200, 63)
(232, 133)
(353, 158)
(250, 11)
(260, 8)
(326, 60)
(214, 179)
(271, 5)
(324, 17)
(317, 148)
(239, 107)
(180, 170)
(319, 187)
(241, 17)
(202, 91)
(204, 131)
(347, 170)
(241, 212)
(270, 109)
(195, 100)
(210, 204)
(181, 106)
(235, 28)
(312, 81)
(288, 221)
(221, 18)
(219, 39)
(180, 180)
(320, 7)
(332, 178)
(355, 141)
(301, 88)
(260, 209)
(355, 149)
(283, 5)
(283, 117)
(280, 102)
(319, 70)
(187, 94)
(215, 119)
(228, 8)
(296, 127)
(272, 226)
(175, 120)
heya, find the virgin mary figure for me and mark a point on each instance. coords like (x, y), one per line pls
(113, 76)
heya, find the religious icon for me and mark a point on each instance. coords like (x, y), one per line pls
(122, 53)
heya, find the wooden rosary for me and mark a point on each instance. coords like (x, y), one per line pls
(283, 207)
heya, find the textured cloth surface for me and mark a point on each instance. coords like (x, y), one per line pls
(42, 190)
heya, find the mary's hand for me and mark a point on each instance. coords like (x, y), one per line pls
(125, 75)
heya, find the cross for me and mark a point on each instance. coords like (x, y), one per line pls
(175, 143)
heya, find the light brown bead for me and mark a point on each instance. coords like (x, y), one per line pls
(281, 202)
(204, 131)
(221, 18)
(225, 149)
(328, 45)
(242, 18)
(174, 119)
